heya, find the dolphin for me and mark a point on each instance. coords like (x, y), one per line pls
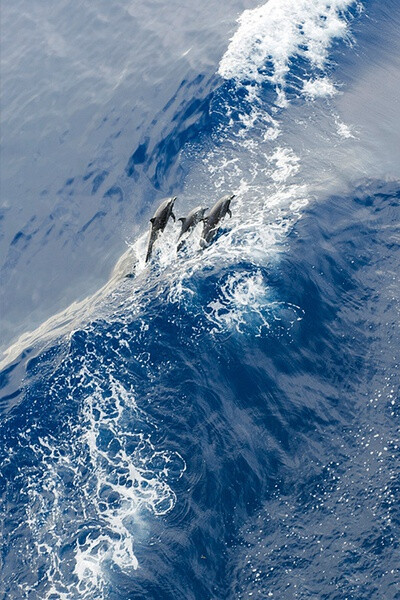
(216, 214)
(159, 222)
(188, 223)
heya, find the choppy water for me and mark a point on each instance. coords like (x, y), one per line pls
(224, 424)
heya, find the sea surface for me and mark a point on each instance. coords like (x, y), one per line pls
(223, 423)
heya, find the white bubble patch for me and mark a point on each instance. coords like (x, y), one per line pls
(245, 304)
(319, 88)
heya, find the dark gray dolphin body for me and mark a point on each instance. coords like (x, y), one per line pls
(188, 223)
(216, 214)
(159, 222)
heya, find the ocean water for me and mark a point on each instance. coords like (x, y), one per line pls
(224, 423)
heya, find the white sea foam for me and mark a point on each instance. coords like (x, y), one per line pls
(118, 476)
(276, 32)
(245, 303)
(344, 130)
(319, 88)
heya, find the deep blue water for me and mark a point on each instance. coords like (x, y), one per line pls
(224, 424)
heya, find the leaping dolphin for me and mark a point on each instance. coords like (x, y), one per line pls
(216, 214)
(194, 217)
(159, 222)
